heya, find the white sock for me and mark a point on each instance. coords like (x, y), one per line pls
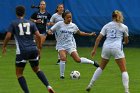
(87, 61)
(125, 80)
(62, 68)
(96, 74)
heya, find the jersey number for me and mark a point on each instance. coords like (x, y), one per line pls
(24, 25)
(113, 33)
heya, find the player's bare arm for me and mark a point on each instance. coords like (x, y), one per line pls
(85, 34)
(96, 44)
(126, 40)
(38, 39)
(6, 40)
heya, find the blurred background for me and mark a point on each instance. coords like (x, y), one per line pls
(88, 15)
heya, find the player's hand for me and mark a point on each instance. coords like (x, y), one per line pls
(93, 53)
(38, 21)
(50, 32)
(92, 34)
(3, 50)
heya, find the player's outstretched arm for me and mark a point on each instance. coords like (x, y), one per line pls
(98, 39)
(86, 34)
(6, 40)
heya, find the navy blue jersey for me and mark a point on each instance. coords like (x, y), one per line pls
(45, 17)
(23, 31)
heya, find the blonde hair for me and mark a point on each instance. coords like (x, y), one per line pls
(117, 16)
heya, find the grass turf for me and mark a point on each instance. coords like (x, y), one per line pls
(108, 82)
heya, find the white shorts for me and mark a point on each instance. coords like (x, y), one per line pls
(116, 53)
(69, 50)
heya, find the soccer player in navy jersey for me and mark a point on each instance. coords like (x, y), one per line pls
(40, 18)
(24, 31)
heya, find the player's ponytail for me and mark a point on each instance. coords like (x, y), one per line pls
(117, 16)
(65, 13)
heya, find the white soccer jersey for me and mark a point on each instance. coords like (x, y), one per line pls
(64, 35)
(114, 34)
(56, 18)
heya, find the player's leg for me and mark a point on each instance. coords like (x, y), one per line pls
(125, 77)
(58, 61)
(63, 57)
(19, 73)
(97, 73)
(76, 57)
(34, 62)
(43, 38)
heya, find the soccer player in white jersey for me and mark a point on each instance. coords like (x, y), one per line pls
(56, 18)
(64, 31)
(115, 31)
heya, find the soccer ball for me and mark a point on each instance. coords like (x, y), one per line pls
(75, 75)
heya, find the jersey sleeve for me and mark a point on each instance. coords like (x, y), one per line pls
(34, 16)
(49, 16)
(103, 30)
(52, 19)
(55, 27)
(10, 28)
(34, 28)
(126, 32)
(75, 28)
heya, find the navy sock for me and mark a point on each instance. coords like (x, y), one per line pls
(43, 78)
(23, 84)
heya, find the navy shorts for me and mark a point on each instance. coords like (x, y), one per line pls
(23, 57)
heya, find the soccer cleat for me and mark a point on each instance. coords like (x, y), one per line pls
(58, 62)
(96, 64)
(88, 89)
(62, 77)
(50, 89)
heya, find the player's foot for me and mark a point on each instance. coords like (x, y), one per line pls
(62, 77)
(58, 62)
(50, 89)
(88, 89)
(96, 64)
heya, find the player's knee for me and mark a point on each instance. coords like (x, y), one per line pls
(63, 58)
(36, 69)
(19, 74)
(78, 60)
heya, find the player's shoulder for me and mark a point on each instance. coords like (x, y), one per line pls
(124, 26)
(60, 22)
(73, 24)
(55, 14)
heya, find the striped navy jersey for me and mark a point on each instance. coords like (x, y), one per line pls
(45, 17)
(23, 31)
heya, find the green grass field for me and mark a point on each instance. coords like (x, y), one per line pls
(109, 82)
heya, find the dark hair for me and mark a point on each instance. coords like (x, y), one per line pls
(114, 15)
(57, 7)
(20, 10)
(65, 13)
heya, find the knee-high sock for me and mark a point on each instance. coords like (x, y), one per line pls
(23, 84)
(87, 61)
(125, 80)
(43, 78)
(96, 74)
(62, 68)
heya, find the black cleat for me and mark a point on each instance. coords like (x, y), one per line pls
(62, 77)
(58, 62)
(96, 64)
(88, 89)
